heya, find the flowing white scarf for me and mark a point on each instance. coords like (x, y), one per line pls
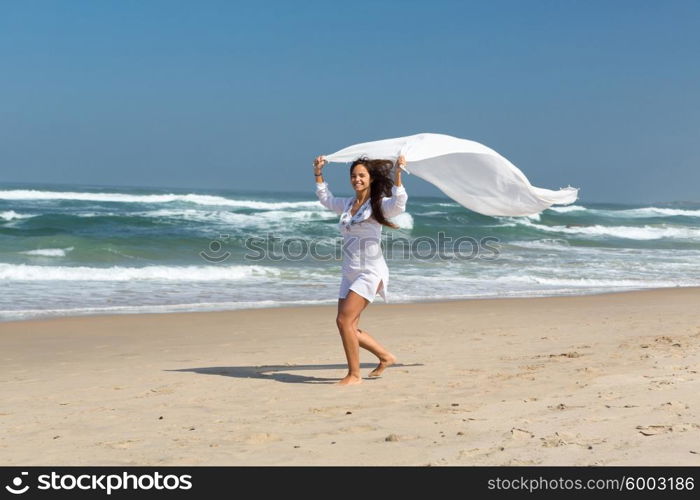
(470, 173)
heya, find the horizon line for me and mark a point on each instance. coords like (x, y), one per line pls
(248, 190)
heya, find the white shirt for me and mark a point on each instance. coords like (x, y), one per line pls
(364, 267)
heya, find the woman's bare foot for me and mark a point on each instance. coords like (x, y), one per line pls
(383, 364)
(350, 380)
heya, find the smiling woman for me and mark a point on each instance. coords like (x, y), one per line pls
(377, 198)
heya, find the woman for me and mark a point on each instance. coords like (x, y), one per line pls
(365, 273)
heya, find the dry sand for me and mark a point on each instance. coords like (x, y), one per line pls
(608, 379)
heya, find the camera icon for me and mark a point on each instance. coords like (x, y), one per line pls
(215, 247)
(16, 487)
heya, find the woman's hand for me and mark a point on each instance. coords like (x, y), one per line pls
(400, 162)
(319, 162)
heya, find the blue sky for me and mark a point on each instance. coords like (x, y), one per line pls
(599, 95)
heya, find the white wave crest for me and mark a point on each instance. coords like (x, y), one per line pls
(592, 282)
(49, 252)
(430, 214)
(11, 215)
(23, 272)
(629, 232)
(544, 244)
(656, 212)
(567, 208)
(240, 220)
(199, 199)
(23, 314)
(631, 212)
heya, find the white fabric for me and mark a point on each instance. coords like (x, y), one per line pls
(364, 267)
(470, 173)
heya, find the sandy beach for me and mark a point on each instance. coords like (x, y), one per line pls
(609, 379)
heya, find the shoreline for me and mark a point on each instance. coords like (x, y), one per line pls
(333, 304)
(599, 379)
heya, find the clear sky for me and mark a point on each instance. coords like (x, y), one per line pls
(601, 95)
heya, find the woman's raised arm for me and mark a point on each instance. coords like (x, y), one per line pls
(324, 194)
(396, 204)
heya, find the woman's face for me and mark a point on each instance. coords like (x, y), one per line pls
(359, 178)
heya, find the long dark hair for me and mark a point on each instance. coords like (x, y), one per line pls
(380, 174)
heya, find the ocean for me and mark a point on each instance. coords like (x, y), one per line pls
(75, 250)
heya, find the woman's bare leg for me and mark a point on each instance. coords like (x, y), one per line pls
(349, 310)
(386, 359)
(368, 342)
